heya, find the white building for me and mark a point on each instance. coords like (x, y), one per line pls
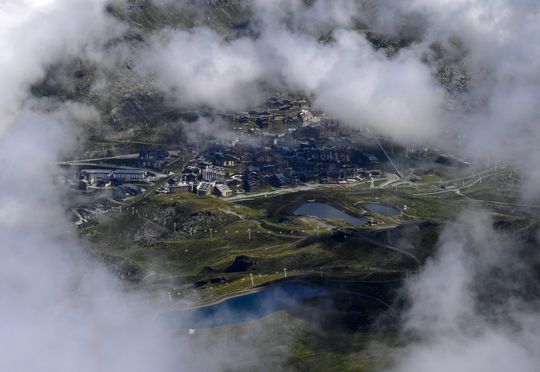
(213, 173)
(129, 174)
(204, 188)
(222, 190)
(94, 175)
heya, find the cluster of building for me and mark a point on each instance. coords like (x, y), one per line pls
(299, 148)
(314, 151)
(207, 188)
(283, 110)
(153, 159)
(203, 181)
(320, 151)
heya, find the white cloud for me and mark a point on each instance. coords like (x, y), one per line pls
(33, 34)
(199, 68)
(468, 312)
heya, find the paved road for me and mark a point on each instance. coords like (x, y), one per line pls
(118, 157)
(476, 178)
(287, 190)
(392, 248)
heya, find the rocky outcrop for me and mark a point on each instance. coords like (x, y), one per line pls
(240, 264)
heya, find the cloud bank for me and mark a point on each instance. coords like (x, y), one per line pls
(62, 310)
(36, 33)
(473, 306)
(465, 76)
(69, 314)
(347, 77)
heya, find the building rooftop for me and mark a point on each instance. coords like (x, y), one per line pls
(128, 171)
(204, 186)
(94, 171)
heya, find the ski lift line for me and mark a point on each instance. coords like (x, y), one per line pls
(389, 159)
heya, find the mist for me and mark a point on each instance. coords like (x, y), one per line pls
(347, 78)
(473, 307)
(464, 80)
(64, 311)
(34, 34)
(63, 308)
(468, 309)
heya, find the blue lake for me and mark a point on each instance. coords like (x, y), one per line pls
(243, 308)
(385, 210)
(323, 210)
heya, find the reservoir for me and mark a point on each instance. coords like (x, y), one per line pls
(243, 308)
(385, 210)
(323, 210)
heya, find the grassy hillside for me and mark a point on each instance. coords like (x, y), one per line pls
(194, 242)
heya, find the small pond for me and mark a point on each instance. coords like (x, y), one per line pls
(243, 308)
(323, 210)
(385, 210)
